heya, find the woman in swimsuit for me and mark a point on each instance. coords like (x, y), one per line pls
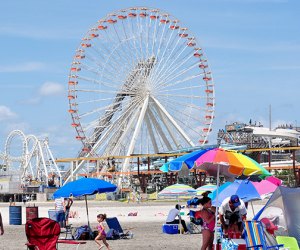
(101, 231)
(208, 216)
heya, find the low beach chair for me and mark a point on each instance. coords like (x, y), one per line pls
(255, 236)
(289, 242)
(195, 223)
(113, 223)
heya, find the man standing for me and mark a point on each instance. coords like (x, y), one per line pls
(60, 211)
(232, 207)
(1, 225)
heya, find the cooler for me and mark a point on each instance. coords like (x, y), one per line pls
(241, 243)
(170, 228)
(57, 215)
(233, 244)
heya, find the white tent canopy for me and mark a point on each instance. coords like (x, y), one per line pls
(283, 210)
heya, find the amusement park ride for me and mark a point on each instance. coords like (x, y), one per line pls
(27, 160)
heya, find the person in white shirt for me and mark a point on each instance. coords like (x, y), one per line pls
(232, 206)
(60, 211)
(59, 204)
(173, 214)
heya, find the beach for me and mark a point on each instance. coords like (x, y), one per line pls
(146, 226)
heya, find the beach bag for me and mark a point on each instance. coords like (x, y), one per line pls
(82, 233)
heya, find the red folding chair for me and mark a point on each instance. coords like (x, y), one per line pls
(42, 234)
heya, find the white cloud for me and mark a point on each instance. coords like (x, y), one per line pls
(6, 113)
(45, 90)
(22, 67)
(51, 89)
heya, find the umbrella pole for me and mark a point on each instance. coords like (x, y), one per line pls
(217, 205)
(87, 212)
(252, 209)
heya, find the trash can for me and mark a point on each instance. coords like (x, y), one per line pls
(57, 215)
(15, 215)
(32, 213)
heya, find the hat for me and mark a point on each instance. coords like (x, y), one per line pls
(235, 200)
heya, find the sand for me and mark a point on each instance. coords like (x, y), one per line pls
(146, 226)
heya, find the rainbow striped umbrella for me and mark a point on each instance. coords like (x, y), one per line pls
(205, 188)
(230, 164)
(177, 190)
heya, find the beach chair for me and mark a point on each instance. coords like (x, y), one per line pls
(113, 223)
(43, 234)
(289, 242)
(195, 223)
(255, 236)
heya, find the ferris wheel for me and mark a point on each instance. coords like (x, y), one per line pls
(140, 83)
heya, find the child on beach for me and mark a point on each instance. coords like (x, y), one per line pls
(101, 232)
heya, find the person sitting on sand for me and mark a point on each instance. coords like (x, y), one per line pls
(171, 219)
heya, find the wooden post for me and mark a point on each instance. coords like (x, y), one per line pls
(258, 157)
(294, 168)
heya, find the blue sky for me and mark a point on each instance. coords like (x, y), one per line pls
(253, 48)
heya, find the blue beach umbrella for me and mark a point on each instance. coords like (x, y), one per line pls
(243, 188)
(187, 160)
(84, 187)
(213, 194)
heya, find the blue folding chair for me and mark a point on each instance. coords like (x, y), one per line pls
(113, 223)
(255, 236)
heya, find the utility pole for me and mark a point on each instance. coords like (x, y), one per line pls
(270, 117)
